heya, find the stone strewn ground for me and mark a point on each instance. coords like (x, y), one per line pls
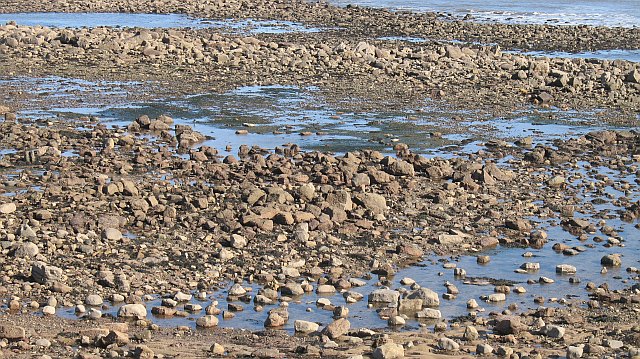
(94, 213)
(196, 61)
(364, 22)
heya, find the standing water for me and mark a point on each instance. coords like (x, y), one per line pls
(613, 13)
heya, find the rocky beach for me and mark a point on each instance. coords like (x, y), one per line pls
(293, 179)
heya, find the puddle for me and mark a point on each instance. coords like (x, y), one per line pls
(632, 55)
(153, 21)
(275, 115)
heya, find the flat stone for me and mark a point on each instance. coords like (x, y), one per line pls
(565, 269)
(305, 327)
(12, 332)
(94, 300)
(207, 321)
(132, 310)
(7, 208)
(384, 296)
(389, 351)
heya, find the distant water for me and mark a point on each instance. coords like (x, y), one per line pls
(148, 21)
(613, 13)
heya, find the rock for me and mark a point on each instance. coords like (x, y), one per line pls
(556, 181)
(389, 351)
(325, 289)
(410, 305)
(44, 343)
(565, 269)
(373, 202)
(429, 313)
(530, 266)
(401, 168)
(43, 273)
(94, 300)
(237, 241)
(497, 297)
(611, 260)
(292, 288)
(132, 311)
(448, 344)
(237, 290)
(396, 320)
(26, 250)
(553, 331)
(429, 297)
(305, 327)
(484, 349)
(472, 304)
(508, 325)
(7, 208)
(337, 329)
(12, 332)
(384, 296)
(217, 349)
(49, 310)
(143, 352)
(207, 321)
(612, 343)
(519, 224)
(574, 352)
(470, 333)
(182, 297)
(111, 234)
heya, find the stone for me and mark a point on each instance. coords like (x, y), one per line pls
(574, 352)
(508, 325)
(143, 352)
(217, 349)
(132, 311)
(401, 168)
(484, 349)
(612, 343)
(44, 343)
(565, 269)
(7, 208)
(410, 305)
(237, 241)
(372, 202)
(43, 273)
(429, 297)
(305, 327)
(470, 333)
(448, 344)
(429, 313)
(611, 260)
(497, 297)
(292, 288)
(111, 234)
(207, 321)
(337, 328)
(237, 290)
(12, 332)
(26, 250)
(325, 289)
(384, 296)
(94, 300)
(553, 331)
(388, 351)
(396, 320)
(49, 310)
